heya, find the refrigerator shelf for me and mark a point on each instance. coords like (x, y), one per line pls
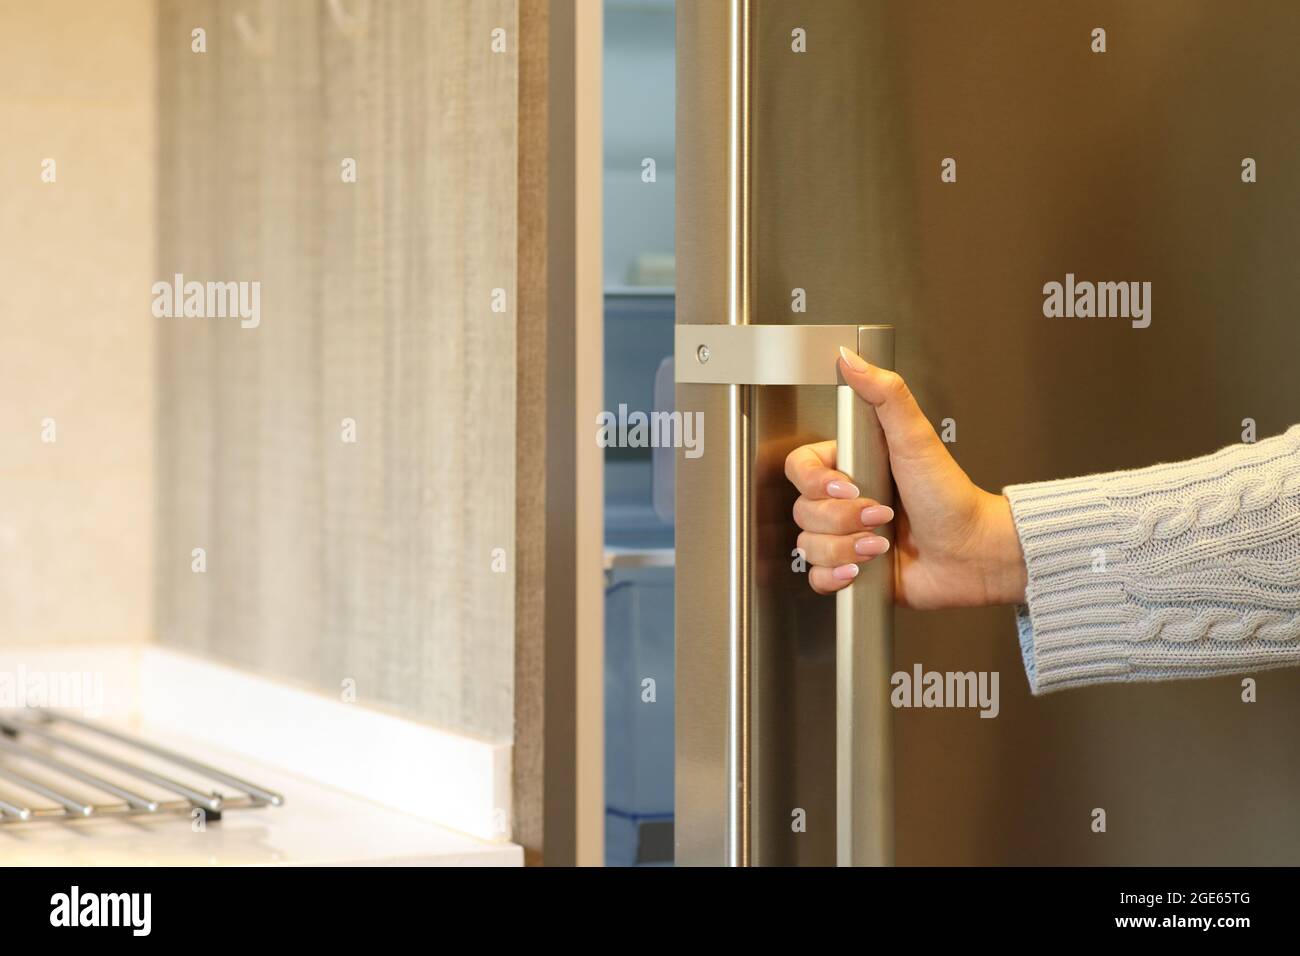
(60, 758)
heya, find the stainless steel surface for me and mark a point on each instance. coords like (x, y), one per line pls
(30, 736)
(72, 808)
(739, 285)
(1124, 166)
(864, 642)
(252, 789)
(206, 800)
(760, 354)
(76, 773)
(15, 811)
(714, 279)
(740, 684)
(755, 647)
(764, 357)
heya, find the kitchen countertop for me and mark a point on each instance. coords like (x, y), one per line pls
(317, 825)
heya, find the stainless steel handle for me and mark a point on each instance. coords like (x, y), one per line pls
(806, 355)
(864, 646)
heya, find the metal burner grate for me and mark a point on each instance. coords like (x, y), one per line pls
(64, 760)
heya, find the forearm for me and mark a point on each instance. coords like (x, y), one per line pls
(1189, 569)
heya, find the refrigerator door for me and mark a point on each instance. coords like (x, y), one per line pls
(756, 649)
(932, 166)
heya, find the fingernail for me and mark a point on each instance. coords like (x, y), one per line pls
(853, 360)
(874, 515)
(841, 489)
(845, 572)
(871, 544)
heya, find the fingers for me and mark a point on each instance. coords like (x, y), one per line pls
(811, 469)
(834, 559)
(837, 516)
(833, 550)
(836, 521)
(837, 537)
(906, 428)
(829, 580)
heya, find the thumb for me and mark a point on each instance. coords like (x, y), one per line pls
(907, 430)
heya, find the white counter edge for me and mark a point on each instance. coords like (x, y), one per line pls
(455, 781)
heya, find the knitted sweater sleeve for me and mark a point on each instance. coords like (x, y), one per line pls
(1190, 569)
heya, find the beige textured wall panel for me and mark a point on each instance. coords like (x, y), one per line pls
(331, 561)
(529, 754)
(76, 261)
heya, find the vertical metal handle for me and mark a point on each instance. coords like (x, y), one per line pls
(742, 356)
(864, 646)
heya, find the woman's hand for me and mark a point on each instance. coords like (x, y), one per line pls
(956, 545)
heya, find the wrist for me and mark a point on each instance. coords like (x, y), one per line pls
(1002, 560)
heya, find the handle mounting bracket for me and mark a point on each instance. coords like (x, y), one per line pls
(773, 354)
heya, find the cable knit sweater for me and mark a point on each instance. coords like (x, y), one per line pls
(1189, 569)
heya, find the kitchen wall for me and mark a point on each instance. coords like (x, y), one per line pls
(336, 478)
(77, 87)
